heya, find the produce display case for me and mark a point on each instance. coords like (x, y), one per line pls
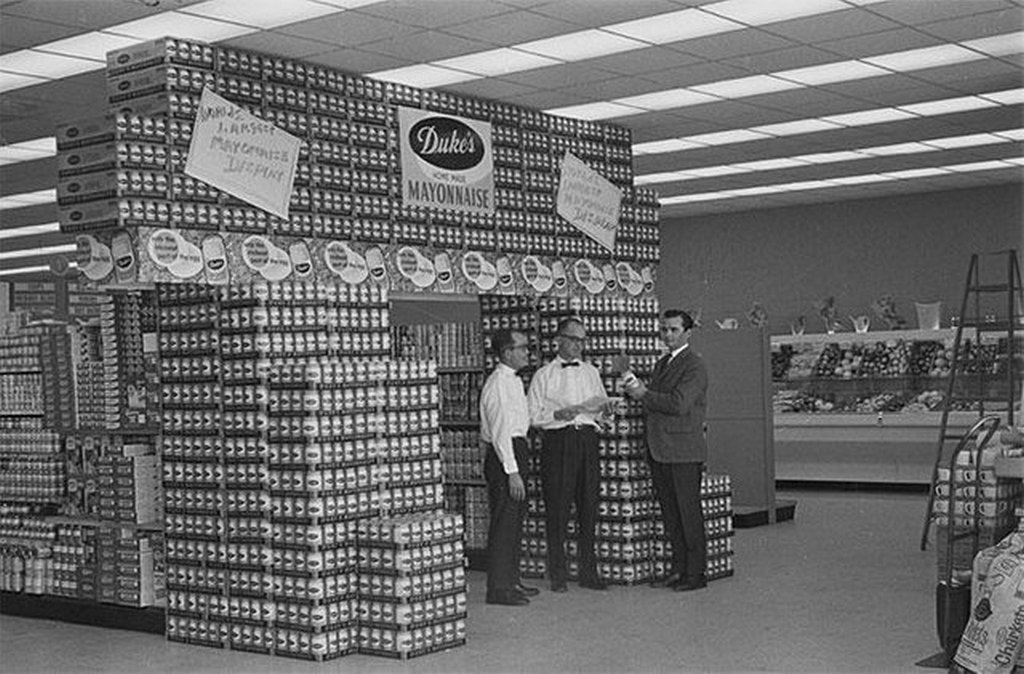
(866, 407)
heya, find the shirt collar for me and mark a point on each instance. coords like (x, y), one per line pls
(679, 351)
(561, 360)
(505, 369)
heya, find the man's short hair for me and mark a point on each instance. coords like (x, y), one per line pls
(503, 339)
(679, 313)
(566, 322)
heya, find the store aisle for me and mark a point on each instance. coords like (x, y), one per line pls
(843, 588)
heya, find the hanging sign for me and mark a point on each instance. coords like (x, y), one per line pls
(447, 161)
(588, 201)
(243, 155)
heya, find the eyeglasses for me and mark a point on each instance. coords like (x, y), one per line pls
(574, 338)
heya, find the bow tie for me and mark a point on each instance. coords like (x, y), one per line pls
(575, 363)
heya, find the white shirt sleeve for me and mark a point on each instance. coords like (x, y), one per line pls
(542, 409)
(498, 406)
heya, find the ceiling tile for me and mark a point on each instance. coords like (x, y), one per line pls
(733, 114)
(886, 42)
(918, 13)
(731, 45)
(351, 29)
(20, 33)
(887, 89)
(89, 14)
(805, 103)
(976, 26)
(662, 125)
(512, 28)
(287, 46)
(831, 26)
(590, 14)
(433, 14)
(691, 75)
(643, 61)
(357, 61)
(990, 75)
(425, 47)
(572, 79)
(782, 59)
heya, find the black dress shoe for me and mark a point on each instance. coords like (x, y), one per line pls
(509, 598)
(594, 584)
(559, 586)
(691, 584)
(527, 591)
(668, 581)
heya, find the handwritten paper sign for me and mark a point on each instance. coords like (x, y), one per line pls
(242, 155)
(588, 201)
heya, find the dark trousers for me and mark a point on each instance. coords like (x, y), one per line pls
(677, 486)
(505, 534)
(570, 471)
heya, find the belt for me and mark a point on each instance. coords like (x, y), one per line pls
(573, 427)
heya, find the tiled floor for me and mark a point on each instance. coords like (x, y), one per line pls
(842, 588)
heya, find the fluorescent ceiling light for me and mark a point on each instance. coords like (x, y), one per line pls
(971, 140)
(866, 117)
(896, 148)
(689, 198)
(760, 13)
(592, 111)
(9, 81)
(713, 171)
(45, 65)
(1008, 97)
(745, 86)
(665, 100)
(28, 150)
(1011, 134)
(998, 45)
(830, 73)
(346, 4)
(581, 45)
(663, 146)
(29, 230)
(861, 179)
(909, 174)
(177, 23)
(795, 127)
(728, 137)
(805, 185)
(685, 24)
(424, 75)
(926, 57)
(260, 13)
(93, 46)
(771, 164)
(948, 106)
(666, 177)
(14, 271)
(28, 199)
(830, 157)
(1018, 161)
(495, 62)
(755, 191)
(970, 167)
(42, 250)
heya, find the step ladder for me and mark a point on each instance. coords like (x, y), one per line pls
(987, 310)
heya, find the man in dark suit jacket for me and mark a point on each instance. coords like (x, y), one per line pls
(674, 404)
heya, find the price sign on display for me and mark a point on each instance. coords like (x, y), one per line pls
(243, 155)
(588, 201)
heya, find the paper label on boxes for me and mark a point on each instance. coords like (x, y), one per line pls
(94, 258)
(242, 155)
(588, 201)
(447, 161)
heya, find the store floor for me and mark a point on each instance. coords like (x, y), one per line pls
(842, 588)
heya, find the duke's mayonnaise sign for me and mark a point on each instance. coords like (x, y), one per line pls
(447, 161)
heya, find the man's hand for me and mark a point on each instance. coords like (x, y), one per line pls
(516, 488)
(637, 391)
(567, 413)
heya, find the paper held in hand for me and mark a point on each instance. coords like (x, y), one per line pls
(595, 404)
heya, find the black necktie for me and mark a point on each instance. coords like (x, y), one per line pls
(575, 363)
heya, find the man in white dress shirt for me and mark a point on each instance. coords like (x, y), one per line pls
(570, 467)
(504, 423)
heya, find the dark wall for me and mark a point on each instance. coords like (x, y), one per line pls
(914, 247)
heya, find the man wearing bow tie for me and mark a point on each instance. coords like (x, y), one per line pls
(674, 403)
(570, 469)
